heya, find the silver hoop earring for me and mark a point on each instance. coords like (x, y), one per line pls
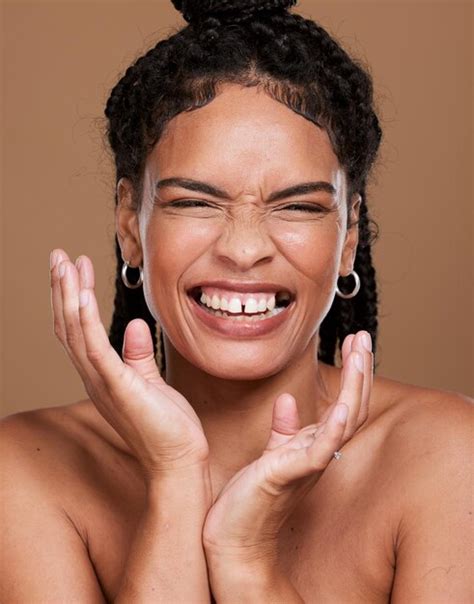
(354, 292)
(127, 283)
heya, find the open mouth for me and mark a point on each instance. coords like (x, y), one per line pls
(241, 306)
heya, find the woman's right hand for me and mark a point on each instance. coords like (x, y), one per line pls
(156, 422)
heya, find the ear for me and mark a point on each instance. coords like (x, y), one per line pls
(126, 224)
(352, 237)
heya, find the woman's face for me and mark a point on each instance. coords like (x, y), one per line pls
(229, 238)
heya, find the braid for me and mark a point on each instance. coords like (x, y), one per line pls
(295, 61)
(228, 10)
(351, 315)
(365, 303)
(128, 304)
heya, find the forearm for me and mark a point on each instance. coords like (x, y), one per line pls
(166, 562)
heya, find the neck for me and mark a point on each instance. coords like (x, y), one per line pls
(236, 415)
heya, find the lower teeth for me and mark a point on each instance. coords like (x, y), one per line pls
(256, 317)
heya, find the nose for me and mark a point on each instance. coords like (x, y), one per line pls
(244, 243)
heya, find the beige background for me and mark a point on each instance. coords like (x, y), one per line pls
(60, 59)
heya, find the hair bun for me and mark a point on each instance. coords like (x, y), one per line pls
(228, 10)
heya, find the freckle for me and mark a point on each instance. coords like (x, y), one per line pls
(38, 449)
(291, 529)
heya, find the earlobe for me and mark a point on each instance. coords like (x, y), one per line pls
(126, 223)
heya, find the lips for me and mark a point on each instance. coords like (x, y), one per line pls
(241, 308)
(254, 301)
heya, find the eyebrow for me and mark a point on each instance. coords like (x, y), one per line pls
(203, 187)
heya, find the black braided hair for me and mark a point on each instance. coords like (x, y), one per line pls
(236, 11)
(296, 62)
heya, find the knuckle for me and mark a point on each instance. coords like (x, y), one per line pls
(95, 356)
(316, 463)
(333, 437)
(72, 338)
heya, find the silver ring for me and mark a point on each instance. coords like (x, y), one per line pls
(337, 455)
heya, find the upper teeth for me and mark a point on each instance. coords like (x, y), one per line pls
(234, 304)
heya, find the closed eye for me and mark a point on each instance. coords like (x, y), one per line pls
(189, 203)
(304, 207)
(199, 203)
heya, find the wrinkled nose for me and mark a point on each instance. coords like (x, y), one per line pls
(244, 244)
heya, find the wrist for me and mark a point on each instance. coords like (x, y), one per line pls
(169, 468)
(234, 580)
(260, 557)
(185, 483)
(256, 581)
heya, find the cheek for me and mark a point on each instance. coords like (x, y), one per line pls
(313, 249)
(171, 247)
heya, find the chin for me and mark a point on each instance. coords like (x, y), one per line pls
(243, 370)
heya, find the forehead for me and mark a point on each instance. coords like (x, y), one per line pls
(244, 132)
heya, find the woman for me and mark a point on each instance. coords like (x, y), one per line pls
(249, 467)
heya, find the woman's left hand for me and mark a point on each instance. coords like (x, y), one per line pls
(243, 524)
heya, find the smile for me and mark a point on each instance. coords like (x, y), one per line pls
(240, 313)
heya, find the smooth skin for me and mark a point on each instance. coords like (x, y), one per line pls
(220, 475)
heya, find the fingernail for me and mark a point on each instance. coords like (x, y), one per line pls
(52, 259)
(62, 269)
(366, 342)
(341, 413)
(78, 263)
(358, 361)
(83, 297)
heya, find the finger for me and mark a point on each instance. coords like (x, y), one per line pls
(363, 344)
(84, 368)
(86, 277)
(69, 284)
(116, 375)
(285, 421)
(305, 436)
(327, 412)
(57, 256)
(351, 391)
(86, 272)
(138, 351)
(75, 346)
(295, 463)
(331, 438)
(346, 349)
(92, 382)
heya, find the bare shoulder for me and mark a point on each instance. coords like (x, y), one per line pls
(420, 421)
(57, 449)
(412, 419)
(422, 465)
(49, 434)
(48, 473)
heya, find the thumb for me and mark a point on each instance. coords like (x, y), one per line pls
(138, 352)
(285, 421)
